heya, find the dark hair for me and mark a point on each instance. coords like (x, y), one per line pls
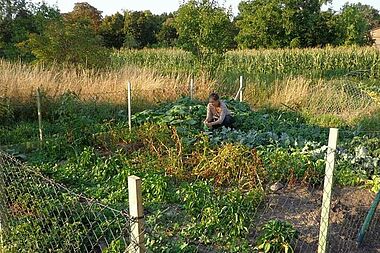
(214, 96)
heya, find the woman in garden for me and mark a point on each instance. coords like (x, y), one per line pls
(217, 113)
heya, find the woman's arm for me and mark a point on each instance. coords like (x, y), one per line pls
(222, 116)
(209, 114)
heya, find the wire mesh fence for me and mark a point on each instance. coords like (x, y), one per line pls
(327, 215)
(40, 215)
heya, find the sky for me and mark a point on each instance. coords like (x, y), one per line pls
(159, 6)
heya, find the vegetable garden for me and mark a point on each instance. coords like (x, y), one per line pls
(203, 191)
(255, 188)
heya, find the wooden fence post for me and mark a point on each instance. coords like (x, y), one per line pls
(136, 213)
(129, 89)
(328, 181)
(38, 93)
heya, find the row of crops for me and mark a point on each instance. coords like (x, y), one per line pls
(202, 190)
(317, 63)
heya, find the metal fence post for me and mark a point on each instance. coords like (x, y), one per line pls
(38, 93)
(328, 181)
(136, 213)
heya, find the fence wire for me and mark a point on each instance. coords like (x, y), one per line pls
(301, 204)
(40, 215)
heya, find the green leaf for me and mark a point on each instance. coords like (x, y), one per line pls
(267, 247)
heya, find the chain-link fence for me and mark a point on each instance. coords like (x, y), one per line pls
(328, 216)
(40, 215)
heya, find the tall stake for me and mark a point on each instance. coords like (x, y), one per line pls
(191, 88)
(241, 88)
(137, 215)
(329, 172)
(129, 106)
(38, 93)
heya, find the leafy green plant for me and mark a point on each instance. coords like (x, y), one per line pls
(374, 183)
(277, 237)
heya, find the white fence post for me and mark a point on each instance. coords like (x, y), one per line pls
(129, 106)
(38, 94)
(328, 181)
(241, 88)
(191, 88)
(136, 213)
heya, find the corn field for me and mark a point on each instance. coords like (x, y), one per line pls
(326, 62)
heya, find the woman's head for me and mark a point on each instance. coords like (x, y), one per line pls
(214, 99)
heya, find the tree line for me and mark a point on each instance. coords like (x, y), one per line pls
(39, 32)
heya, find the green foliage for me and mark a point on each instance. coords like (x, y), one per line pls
(167, 36)
(220, 214)
(6, 111)
(85, 12)
(348, 177)
(69, 43)
(354, 26)
(200, 188)
(371, 14)
(370, 123)
(204, 29)
(374, 183)
(140, 28)
(277, 237)
(262, 68)
(279, 23)
(112, 31)
(17, 20)
(327, 120)
(288, 23)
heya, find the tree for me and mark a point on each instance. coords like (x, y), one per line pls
(140, 28)
(167, 36)
(18, 18)
(112, 31)
(260, 24)
(10, 9)
(353, 26)
(12, 12)
(85, 11)
(69, 42)
(279, 23)
(371, 14)
(204, 28)
(326, 30)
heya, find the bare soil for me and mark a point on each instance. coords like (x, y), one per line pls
(301, 206)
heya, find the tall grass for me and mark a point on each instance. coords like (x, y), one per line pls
(19, 81)
(315, 81)
(323, 97)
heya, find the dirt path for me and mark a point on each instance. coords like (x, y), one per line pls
(302, 207)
